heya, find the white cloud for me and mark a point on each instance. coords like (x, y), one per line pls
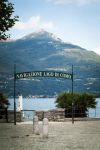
(97, 50)
(47, 25)
(34, 23)
(77, 2)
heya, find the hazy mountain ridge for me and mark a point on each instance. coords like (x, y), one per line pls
(44, 51)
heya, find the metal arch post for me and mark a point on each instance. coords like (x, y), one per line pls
(14, 94)
(72, 99)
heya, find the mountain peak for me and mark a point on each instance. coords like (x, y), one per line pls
(41, 34)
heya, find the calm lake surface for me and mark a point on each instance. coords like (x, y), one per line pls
(49, 103)
(35, 103)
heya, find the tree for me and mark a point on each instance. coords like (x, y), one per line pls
(81, 103)
(4, 103)
(7, 20)
(3, 106)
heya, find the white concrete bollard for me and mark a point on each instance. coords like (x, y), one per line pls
(35, 125)
(45, 128)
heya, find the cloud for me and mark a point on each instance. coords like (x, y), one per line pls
(34, 23)
(47, 25)
(97, 50)
(77, 2)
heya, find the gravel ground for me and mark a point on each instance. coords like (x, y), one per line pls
(82, 135)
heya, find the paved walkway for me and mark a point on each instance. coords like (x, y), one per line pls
(82, 135)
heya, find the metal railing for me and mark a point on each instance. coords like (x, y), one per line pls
(94, 113)
(27, 115)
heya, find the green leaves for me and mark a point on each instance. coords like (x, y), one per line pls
(6, 19)
(81, 102)
(3, 101)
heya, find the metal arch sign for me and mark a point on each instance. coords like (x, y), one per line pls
(43, 74)
(22, 75)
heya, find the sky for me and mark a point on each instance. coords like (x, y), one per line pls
(74, 21)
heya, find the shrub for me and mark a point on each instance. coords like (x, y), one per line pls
(81, 103)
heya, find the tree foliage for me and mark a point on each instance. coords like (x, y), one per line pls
(7, 20)
(3, 101)
(81, 103)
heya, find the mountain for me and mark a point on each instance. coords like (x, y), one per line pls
(44, 51)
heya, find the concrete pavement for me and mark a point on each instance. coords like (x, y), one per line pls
(82, 135)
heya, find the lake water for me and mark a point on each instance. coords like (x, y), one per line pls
(35, 103)
(49, 103)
